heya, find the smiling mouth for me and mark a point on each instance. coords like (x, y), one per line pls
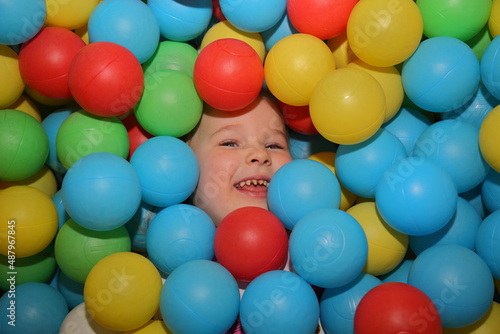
(253, 182)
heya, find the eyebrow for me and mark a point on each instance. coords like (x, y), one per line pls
(235, 127)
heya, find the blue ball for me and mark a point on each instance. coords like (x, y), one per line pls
(62, 215)
(255, 15)
(281, 29)
(416, 196)
(490, 191)
(442, 74)
(168, 170)
(200, 296)
(407, 125)
(328, 248)
(338, 305)
(454, 145)
(371, 158)
(51, 125)
(130, 23)
(279, 302)
(35, 308)
(179, 234)
(71, 290)
(20, 20)
(101, 191)
(398, 274)
(181, 21)
(303, 146)
(475, 198)
(460, 230)
(490, 69)
(488, 242)
(457, 280)
(300, 187)
(138, 225)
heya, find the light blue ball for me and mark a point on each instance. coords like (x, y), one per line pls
(281, 29)
(138, 225)
(338, 305)
(398, 274)
(475, 198)
(300, 187)
(490, 191)
(179, 234)
(457, 280)
(442, 74)
(279, 302)
(253, 15)
(460, 230)
(168, 170)
(181, 21)
(371, 158)
(407, 125)
(130, 23)
(328, 248)
(200, 296)
(488, 242)
(71, 290)
(303, 146)
(490, 69)
(20, 20)
(51, 125)
(62, 215)
(38, 309)
(101, 191)
(454, 145)
(416, 196)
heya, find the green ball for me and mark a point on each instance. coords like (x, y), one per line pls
(480, 42)
(24, 145)
(83, 133)
(171, 55)
(170, 104)
(462, 19)
(78, 249)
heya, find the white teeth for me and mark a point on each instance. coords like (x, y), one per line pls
(253, 182)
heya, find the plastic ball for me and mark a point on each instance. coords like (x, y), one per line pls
(298, 118)
(170, 104)
(488, 136)
(323, 19)
(43, 180)
(29, 215)
(138, 225)
(171, 55)
(12, 84)
(342, 52)
(454, 145)
(178, 234)
(20, 20)
(51, 124)
(384, 32)
(136, 133)
(371, 158)
(250, 241)
(200, 296)
(294, 66)
(71, 14)
(487, 324)
(328, 248)
(168, 170)
(228, 74)
(253, 16)
(442, 75)
(486, 242)
(475, 198)
(116, 285)
(46, 101)
(480, 42)
(101, 192)
(347, 106)
(24, 145)
(494, 19)
(34, 308)
(82, 133)
(62, 215)
(78, 319)
(416, 196)
(460, 19)
(155, 326)
(25, 104)
(300, 187)
(280, 30)
(106, 79)
(181, 20)
(458, 282)
(338, 305)
(396, 308)
(72, 291)
(303, 146)
(398, 274)
(490, 191)
(78, 249)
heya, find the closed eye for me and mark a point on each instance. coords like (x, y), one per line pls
(275, 146)
(229, 143)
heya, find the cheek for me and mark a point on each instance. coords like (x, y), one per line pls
(281, 159)
(217, 170)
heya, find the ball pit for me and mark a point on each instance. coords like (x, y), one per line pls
(489, 190)
(12, 85)
(486, 242)
(70, 14)
(253, 16)
(20, 20)
(51, 125)
(488, 136)
(173, 56)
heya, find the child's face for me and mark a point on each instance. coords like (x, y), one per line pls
(238, 153)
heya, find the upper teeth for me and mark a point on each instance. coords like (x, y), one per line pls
(253, 182)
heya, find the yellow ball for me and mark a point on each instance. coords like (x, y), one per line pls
(11, 83)
(386, 246)
(46, 100)
(151, 327)
(44, 180)
(488, 324)
(389, 79)
(26, 104)
(341, 50)
(28, 221)
(69, 14)
(494, 20)
(122, 291)
(384, 32)
(347, 198)
(489, 137)
(224, 29)
(347, 106)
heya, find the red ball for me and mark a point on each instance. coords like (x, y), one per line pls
(106, 79)
(396, 308)
(228, 74)
(44, 61)
(251, 241)
(217, 11)
(298, 118)
(136, 133)
(324, 19)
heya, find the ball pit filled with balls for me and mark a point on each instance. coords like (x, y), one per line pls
(384, 220)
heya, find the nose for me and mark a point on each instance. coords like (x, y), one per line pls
(259, 156)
